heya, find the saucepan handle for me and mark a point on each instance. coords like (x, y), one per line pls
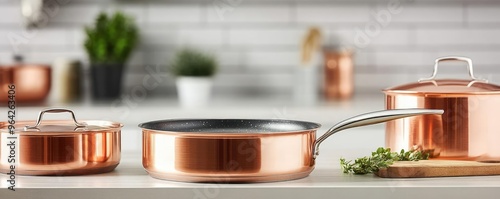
(453, 58)
(372, 118)
(54, 110)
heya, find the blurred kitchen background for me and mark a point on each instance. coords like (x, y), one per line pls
(258, 43)
(260, 47)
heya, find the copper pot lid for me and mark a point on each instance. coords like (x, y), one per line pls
(473, 86)
(60, 126)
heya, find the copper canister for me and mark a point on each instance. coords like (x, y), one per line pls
(60, 147)
(468, 128)
(339, 74)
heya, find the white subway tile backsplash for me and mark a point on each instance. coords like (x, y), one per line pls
(77, 15)
(249, 14)
(341, 37)
(159, 37)
(479, 58)
(137, 12)
(379, 81)
(85, 14)
(21, 40)
(252, 37)
(271, 61)
(183, 37)
(158, 57)
(391, 37)
(50, 57)
(252, 80)
(483, 14)
(77, 37)
(6, 36)
(49, 37)
(457, 37)
(197, 37)
(159, 13)
(361, 38)
(11, 14)
(257, 43)
(427, 14)
(362, 59)
(137, 58)
(401, 60)
(228, 59)
(6, 58)
(331, 13)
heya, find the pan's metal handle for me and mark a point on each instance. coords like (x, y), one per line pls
(453, 58)
(54, 110)
(372, 118)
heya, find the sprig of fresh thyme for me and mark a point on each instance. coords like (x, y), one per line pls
(381, 158)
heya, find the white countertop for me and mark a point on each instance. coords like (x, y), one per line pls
(130, 180)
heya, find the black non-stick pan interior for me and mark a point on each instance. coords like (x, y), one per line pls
(229, 125)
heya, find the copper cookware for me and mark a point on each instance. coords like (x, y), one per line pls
(242, 150)
(32, 82)
(67, 147)
(339, 74)
(468, 128)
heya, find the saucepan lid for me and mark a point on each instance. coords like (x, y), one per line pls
(47, 127)
(431, 85)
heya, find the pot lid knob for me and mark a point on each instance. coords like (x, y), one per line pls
(54, 110)
(454, 58)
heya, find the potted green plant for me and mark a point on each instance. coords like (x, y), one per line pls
(109, 44)
(194, 71)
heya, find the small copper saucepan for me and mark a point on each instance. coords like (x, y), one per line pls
(242, 150)
(61, 147)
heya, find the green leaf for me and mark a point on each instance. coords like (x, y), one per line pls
(380, 158)
(189, 62)
(111, 39)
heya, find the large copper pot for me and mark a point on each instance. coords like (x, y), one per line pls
(242, 150)
(60, 147)
(32, 82)
(468, 129)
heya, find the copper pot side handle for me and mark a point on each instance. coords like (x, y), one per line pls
(372, 118)
(453, 58)
(54, 110)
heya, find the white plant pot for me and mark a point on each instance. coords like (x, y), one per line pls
(194, 92)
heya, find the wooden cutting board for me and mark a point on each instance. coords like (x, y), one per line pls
(438, 168)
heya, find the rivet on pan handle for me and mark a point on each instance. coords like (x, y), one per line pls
(453, 58)
(372, 118)
(54, 110)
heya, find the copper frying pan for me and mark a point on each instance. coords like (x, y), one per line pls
(242, 150)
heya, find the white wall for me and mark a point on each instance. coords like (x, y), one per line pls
(257, 42)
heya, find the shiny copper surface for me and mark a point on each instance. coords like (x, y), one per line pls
(243, 150)
(339, 75)
(63, 152)
(468, 130)
(32, 82)
(213, 157)
(448, 87)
